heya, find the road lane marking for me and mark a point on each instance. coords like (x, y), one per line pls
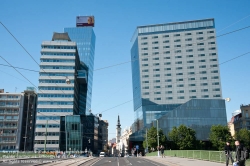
(117, 161)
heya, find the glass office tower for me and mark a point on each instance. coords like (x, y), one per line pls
(172, 64)
(85, 40)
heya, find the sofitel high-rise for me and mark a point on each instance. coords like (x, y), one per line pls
(176, 76)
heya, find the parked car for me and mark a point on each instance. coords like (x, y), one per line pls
(102, 154)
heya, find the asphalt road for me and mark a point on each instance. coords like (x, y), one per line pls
(125, 161)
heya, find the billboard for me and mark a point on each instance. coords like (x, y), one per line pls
(83, 21)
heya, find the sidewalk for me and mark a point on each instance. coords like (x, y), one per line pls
(175, 161)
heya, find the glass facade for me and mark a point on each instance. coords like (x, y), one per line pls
(85, 40)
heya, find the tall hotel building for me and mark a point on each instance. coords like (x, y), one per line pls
(176, 77)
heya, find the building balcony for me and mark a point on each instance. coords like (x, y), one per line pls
(8, 134)
(10, 99)
(8, 127)
(7, 141)
(9, 113)
(9, 106)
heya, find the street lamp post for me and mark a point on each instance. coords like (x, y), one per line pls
(157, 137)
(45, 137)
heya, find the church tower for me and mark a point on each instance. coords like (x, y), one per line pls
(118, 130)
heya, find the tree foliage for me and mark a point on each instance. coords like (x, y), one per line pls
(219, 134)
(243, 135)
(152, 138)
(183, 137)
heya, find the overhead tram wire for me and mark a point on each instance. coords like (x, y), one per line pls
(19, 68)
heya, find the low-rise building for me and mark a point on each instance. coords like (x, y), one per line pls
(242, 120)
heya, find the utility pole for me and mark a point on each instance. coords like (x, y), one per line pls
(158, 139)
(45, 137)
(25, 137)
(147, 138)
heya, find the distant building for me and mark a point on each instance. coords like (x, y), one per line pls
(242, 120)
(103, 135)
(17, 115)
(231, 126)
(124, 141)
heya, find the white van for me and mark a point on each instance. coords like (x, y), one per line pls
(102, 154)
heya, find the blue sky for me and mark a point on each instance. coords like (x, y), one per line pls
(32, 22)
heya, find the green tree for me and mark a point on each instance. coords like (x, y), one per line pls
(243, 135)
(183, 137)
(152, 138)
(219, 134)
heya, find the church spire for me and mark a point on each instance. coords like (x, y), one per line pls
(118, 122)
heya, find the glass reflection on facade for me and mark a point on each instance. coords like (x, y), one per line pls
(85, 40)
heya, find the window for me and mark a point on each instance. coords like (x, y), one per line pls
(201, 49)
(166, 52)
(199, 38)
(192, 90)
(178, 56)
(201, 55)
(178, 68)
(203, 60)
(157, 98)
(203, 72)
(169, 74)
(189, 56)
(154, 37)
(166, 46)
(213, 65)
(188, 45)
(145, 43)
(168, 86)
(180, 97)
(212, 54)
(177, 40)
(204, 84)
(190, 61)
(215, 77)
(155, 48)
(177, 46)
(191, 73)
(169, 98)
(212, 48)
(145, 70)
(179, 74)
(167, 57)
(192, 97)
(189, 39)
(200, 44)
(146, 93)
(143, 38)
(204, 90)
(203, 78)
(213, 60)
(157, 75)
(156, 64)
(216, 89)
(210, 31)
(178, 51)
(211, 37)
(155, 53)
(166, 41)
(191, 79)
(145, 76)
(169, 92)
(156, 69)
(144, 64)
(205, 96)
(177, 35)
(215, 83)
(187, 34)
(155, 58)
(156, 42)
(179, 62)
(156, 87)
(145, 59)
(145, 81)
(157, 93)
(189, 50)
(155, 81)
(145, 87)
(165, 36)
(191, 85)
(168, 80)
(144, 54)
(180, 85)
(167, 69)
(180, 79)
(214, 71)
(211, 42)
(180, 91)
(216, 95)
(198, 33)
(144, 49)
(167, 63)
(202, 66)
(190, 67)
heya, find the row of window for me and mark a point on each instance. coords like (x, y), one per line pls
(188, 56)
(57, 95)
(180, 62)
(57, 54)
(58, 60)
(7, 117)
(56, 74)
(48, 134)
(182, 91)
(177, 46)
(55, 88)
(3, 103)
(55, 103)
(182, 85)
(54, 110)
(48, 118)
(58, 67)
(55, 81)
(178, 68)
(48, 126)
(58, 47)
(182, 79)
(182, 97)
(47, 142)
(179, 51)
(176, 35)
(189, 73)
